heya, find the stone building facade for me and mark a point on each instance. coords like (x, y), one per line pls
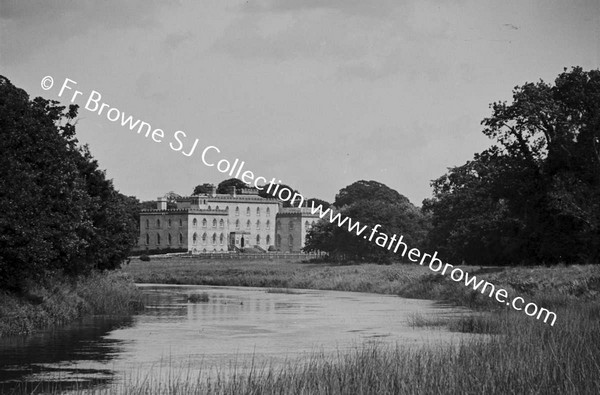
(225, 222)
(292, 226)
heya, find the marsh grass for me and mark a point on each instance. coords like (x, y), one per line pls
(59, 300)
(524, 357)
(275, 274)
(515, 355)
(479, 323)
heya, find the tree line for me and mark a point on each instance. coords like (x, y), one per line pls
(532, 197)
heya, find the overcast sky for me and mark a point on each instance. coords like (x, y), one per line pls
(316, 93)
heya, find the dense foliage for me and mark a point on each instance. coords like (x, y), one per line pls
(59, 212)
(225, 185)
(370, 203)
(202, 189)
(534, 197)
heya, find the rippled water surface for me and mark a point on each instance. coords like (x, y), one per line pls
(235, 327)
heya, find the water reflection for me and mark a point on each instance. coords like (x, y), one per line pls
(57, 357)
(235, 324)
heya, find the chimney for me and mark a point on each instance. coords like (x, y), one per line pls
(232, 191)
(213, 191)
(161, 203)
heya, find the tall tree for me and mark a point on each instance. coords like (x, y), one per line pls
(59, 211)
(471, 222)
(367, 190)
(546, 172)
(392, 211)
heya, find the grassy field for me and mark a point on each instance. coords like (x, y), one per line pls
(551, 287)
(59, 300)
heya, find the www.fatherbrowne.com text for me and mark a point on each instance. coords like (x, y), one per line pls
(396, 244)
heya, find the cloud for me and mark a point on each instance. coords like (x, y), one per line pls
(365, 40)
(379, 9)
(33, 25)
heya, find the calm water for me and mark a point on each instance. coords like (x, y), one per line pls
(237, 325)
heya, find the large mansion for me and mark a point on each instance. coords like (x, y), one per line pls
(225, 222)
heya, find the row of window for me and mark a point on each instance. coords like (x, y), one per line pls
(307, 224)
(169, 239)
(158, 223)
(204, 239)
(248, 211)
(205, 223)
(222, 223)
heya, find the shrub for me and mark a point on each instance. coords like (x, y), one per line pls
(144, 258)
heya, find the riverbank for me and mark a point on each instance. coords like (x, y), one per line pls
(60, 300)
(518, 355)
(550, 286)
(527, 357)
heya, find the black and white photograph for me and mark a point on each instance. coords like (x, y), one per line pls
(299, 197)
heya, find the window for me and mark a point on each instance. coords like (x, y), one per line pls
(147, 223)
(278, 239)
(214, 238)
(258, 224)
(268, 224)
(221, 224)
(257, 239)
(291, 241)
(169, 223)
(248, 224)
(221, 238)
(147, 239)
(268, 240)
(306, 225)
(195, 222)
(209, 207)
(169, 239)
(204, 222)
(248, 211)
(237, 223)
(268, 212)
(180, 238)
(195, 238)
(204, 238)
(158, 223)
(180, 222)
(258, 211)
(291, 225)
(158, 239)
(217, 208)
(237, 211)
(312, 223)
(214, 223)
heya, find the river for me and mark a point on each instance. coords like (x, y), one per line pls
(236, 327)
